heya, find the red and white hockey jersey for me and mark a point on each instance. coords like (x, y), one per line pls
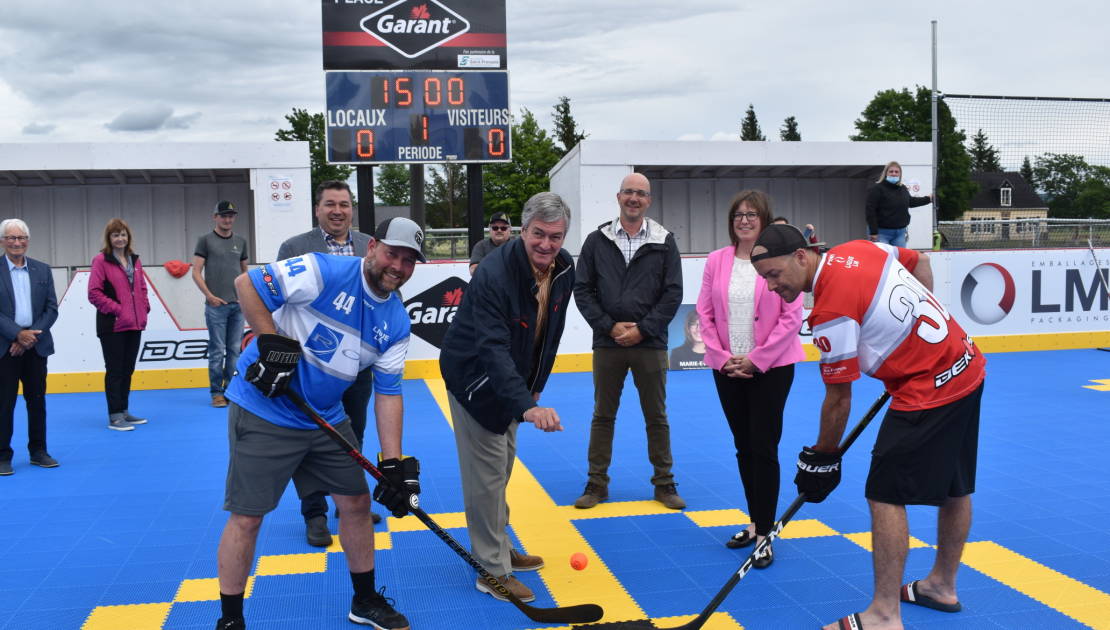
(871, 315)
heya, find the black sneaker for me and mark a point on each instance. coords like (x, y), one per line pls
(43, 459)
(234, 623)
(378, 612)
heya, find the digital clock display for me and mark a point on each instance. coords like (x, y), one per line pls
(414, 116)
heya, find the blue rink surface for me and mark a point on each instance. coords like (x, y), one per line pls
(128, 517)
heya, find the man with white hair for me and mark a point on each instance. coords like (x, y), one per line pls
(28, 308)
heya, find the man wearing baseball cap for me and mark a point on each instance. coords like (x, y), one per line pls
(218, 258)
(500, 231)
(874, 313)
(346, 312)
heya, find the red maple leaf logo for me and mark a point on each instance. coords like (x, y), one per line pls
(453, 298)
(420, 12)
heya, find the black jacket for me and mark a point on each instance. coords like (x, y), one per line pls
(489, 361)
(647, 290)
(888, 206)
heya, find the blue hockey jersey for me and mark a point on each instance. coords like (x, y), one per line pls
(323, 302)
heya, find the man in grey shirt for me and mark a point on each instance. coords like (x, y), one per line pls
(218, 259)
(500, 231)
(334, 214)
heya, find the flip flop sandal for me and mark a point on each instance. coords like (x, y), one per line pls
(911, 595)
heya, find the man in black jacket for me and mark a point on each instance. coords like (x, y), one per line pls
(629, 287)
(495, 361)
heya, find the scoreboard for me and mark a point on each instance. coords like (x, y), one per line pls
(408, 116)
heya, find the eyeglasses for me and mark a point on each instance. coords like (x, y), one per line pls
(740, 216)
(498, 228)
(15, 239)
(636, 191)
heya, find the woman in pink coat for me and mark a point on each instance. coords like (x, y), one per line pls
(751, 343)
(117, 288)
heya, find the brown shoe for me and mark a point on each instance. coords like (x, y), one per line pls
(521, 561)
(219, 401)
(668, 496)
(522, 592)
(591, 496)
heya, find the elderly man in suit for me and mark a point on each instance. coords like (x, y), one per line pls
(334, 213)
(28, 308)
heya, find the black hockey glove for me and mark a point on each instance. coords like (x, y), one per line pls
(401, 484)
(277, 358)
(818, 474)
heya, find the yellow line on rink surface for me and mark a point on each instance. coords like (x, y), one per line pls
(544, 529)
(1071, 597)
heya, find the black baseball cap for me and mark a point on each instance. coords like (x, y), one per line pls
(500, 216)
(225, 208)
(778, 239)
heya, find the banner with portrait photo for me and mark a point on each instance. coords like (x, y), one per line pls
(686, 351)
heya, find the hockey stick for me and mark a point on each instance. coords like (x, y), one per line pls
(582, 613)
(700, 620)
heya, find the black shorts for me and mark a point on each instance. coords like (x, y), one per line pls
(925, 457)
(263, 457)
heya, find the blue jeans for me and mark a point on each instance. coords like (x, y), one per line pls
(892, 236)
(225, 336)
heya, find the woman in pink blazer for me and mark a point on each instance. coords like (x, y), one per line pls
(751, 343)
(117, 288)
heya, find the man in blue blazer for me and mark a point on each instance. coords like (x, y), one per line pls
(28, 308)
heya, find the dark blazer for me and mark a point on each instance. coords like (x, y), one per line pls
(489, 359)
(313, 241)
(44, 306)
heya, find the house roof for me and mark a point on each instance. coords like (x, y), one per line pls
(988, 197)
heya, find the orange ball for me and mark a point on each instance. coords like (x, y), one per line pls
(578, 561)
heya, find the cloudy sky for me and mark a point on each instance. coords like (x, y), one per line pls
(205, 70)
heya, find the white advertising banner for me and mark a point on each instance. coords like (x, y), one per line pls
(164, 345)
(991, 293)
(1025, 292)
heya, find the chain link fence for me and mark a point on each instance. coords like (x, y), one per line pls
(1023, 233)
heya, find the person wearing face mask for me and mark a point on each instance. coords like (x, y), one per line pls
(888, 207)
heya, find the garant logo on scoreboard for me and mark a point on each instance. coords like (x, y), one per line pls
(432, 311)
(988, 293)
(413, 27)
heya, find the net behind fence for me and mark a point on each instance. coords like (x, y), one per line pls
(1026, 126)
(1024, 233)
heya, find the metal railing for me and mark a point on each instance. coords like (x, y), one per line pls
(1024, 233)
(449, 243)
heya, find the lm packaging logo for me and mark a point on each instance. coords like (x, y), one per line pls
(988, 293)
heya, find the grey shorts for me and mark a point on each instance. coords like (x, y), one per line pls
(263, 457)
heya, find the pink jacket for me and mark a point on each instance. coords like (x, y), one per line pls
(119, 306)
(776, 322)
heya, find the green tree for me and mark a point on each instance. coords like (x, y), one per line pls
(1072, 187)
(984, 157)
(567, 131)
(898, 115)
(1027, 172)
(789, 131)
(507, 186)
(391, 185)
(310, 127)
(749, 128)
(445, 200)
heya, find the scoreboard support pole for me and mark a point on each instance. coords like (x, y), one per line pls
(366, 222)
(416, 194)
(475, 212)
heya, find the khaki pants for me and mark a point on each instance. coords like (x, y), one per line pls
(485, 464)
(649, 373)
